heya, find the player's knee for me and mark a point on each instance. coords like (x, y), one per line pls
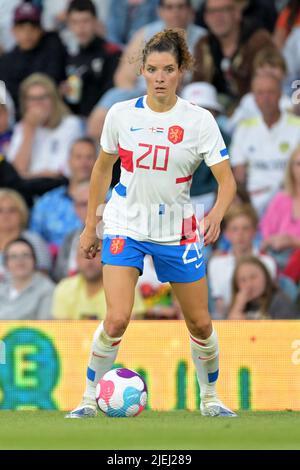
(200, 328)
(116, 327)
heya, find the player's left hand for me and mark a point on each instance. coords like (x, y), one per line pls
(210, 228)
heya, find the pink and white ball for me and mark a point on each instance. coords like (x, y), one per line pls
(121, 393)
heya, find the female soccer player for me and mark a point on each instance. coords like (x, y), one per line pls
(161, 140)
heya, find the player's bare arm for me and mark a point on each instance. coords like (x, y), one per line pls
(226, 192)
(99, 185)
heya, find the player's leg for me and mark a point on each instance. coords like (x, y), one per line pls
(183, 266)
(193, 299)
(119, 284)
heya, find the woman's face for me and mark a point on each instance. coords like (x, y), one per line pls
(162, 75)
(20, 261)
(38, 99)
(251, 278)
(10, 217)
(241, 232)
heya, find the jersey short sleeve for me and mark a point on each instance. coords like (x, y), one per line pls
(110, 137)
(211, 143)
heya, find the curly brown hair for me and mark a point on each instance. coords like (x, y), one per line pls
(172, 41)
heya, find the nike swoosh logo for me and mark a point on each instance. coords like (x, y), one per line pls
(134, 129)
(197, 266)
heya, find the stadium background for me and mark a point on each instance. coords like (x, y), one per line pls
(260, 364)
(42, 363)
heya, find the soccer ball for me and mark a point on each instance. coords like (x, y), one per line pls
(121, 393)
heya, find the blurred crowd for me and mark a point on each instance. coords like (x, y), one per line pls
(64, 64)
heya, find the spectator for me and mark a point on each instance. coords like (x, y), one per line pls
(54, 14)
(261, 146)
(197, 3)
(260, 13)
(89, 72)
(292, 269)
(27, 294)
(54, 18)
(280, 225)
(66, 262)
(7, 100)
(53, 215)
(7, 9)
(291, 52)
(5, 129)
(240, 229)
(103, 9)
(128, 83)
(159, 301)
(242, 197)
(82, 297)
(127, 16)
(255, 295)
(41, 141)
(36, 51)
(27, 188)
(268, 60)
(13, 223)
(225, 56)
(7, 120)
(288, 18)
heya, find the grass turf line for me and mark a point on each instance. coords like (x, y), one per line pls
(151, 430)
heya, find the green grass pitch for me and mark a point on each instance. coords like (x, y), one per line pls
(150, 430)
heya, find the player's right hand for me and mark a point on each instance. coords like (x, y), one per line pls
(90, 245)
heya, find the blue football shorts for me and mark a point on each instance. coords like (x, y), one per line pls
(173, 263)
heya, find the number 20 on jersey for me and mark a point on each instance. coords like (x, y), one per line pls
(155, 157)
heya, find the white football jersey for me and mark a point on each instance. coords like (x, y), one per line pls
(159, 153)
(266, 152)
